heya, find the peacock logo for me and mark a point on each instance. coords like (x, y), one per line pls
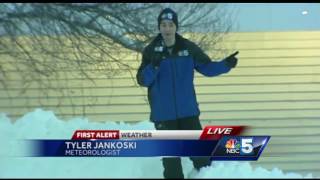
(232, 146)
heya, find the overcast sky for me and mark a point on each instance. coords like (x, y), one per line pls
(275, 16)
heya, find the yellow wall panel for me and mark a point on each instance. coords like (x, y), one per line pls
(275, 89)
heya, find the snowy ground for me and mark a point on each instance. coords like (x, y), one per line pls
(41, 124)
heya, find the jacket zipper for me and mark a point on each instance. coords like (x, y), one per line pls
(174, 87)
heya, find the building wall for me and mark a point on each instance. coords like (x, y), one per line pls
(275, 89)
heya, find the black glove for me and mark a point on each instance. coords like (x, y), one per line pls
(231, 60)
(156, 60)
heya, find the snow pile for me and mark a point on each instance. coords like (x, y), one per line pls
(41, 124)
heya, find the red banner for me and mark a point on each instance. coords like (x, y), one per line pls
(216, 132)
(96, 134)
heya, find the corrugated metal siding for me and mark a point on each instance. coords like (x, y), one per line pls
(275, 89)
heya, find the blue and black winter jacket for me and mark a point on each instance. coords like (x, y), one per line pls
(171, 92)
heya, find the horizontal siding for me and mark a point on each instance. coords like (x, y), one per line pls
(274, 36)
(200, 80)
(251, 107)
(275, 90)
(220, 100)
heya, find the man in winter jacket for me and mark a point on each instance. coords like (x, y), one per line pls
(167, 70)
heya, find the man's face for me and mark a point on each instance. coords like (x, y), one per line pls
(168, 29)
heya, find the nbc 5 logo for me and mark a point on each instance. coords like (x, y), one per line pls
(246, 146)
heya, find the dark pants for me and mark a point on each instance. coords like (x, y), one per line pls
(172, 166)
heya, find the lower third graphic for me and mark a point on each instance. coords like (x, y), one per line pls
(240, 147)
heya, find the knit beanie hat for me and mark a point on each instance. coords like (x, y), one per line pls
(168, 14)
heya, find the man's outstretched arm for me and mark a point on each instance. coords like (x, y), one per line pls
(205, 66)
